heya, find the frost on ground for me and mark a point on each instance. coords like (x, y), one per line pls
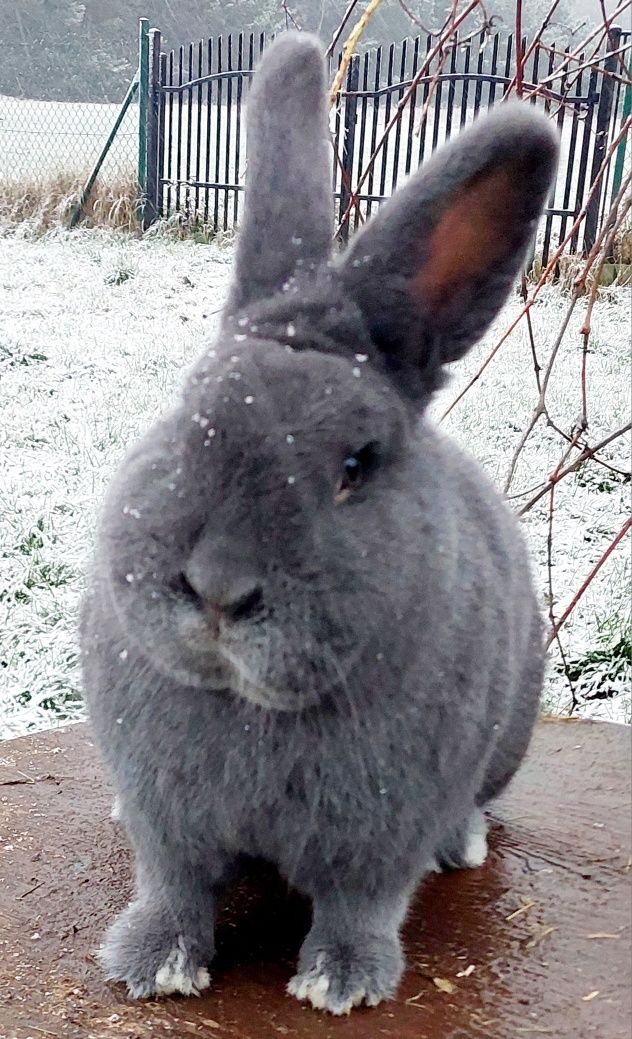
(95, 333)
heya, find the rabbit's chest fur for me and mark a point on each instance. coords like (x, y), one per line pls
(372, 786)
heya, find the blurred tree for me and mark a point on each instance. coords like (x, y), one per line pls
(71, 50)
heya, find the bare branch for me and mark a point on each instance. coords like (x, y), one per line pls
(587, 452)
(591, 576)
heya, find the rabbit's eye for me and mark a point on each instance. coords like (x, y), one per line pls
(356, 468)
(353, 471)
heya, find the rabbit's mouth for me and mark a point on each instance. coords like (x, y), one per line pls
(238, 661)
(256, 691)
(270, 660)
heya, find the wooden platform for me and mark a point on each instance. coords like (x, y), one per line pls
(536, 943)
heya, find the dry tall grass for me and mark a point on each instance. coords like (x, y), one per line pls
(43, 203)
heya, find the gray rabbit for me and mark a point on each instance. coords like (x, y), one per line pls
(310, 634)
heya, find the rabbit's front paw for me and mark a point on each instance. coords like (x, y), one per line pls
(466, 848)
(339, 976)
(143, 950)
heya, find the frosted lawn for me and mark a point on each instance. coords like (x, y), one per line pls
(95, 332)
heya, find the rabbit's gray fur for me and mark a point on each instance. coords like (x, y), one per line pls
(368, 676)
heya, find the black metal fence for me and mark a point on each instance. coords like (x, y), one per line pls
(197, 139)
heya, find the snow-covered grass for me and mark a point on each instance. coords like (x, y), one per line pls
(95, 332)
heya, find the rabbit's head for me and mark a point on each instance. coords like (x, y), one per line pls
(271, 533)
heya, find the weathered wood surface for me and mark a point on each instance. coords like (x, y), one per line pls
(545, 923)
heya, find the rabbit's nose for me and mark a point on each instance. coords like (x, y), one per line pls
(233, 599)
(243, 606)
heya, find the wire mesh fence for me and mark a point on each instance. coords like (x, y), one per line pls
(41, 140)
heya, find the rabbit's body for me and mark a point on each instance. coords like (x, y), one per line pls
(377, 775)
(331, 672)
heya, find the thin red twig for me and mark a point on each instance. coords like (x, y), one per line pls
(586, 453)
(585, 584)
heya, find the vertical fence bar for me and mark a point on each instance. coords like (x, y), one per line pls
(150, 212)
(348, 143)
(209, 110)
(549, 72)
(605, 184)
(363, 122)
(423, 123)
(229, 114)
(412, 107)
(478, 89)
(374, 126)
(198, 140)
(491, 97)
(170, 149)
(451, 90)
(604, 111)
(387, 116)
(398, 126)
(570, 162)
(179, 131)
(466, 82)
(508, 57)
(546, 242)
(240, 88)
(617, 176)
(143, 82)
(436, 126)
(583, 158)
(336, 170)
(162, 118)
(187, 194)
(218, 136)
(563, 88)
(536, 65)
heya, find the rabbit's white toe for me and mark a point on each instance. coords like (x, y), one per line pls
(174, 976)
(475, 851)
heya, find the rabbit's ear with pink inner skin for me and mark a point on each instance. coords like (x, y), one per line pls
(432, 269)
(289, 204)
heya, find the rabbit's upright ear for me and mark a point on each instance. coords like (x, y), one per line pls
(433, 268)
(289, 202)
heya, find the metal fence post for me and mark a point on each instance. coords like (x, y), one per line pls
(153, 174)
(143, 76)
(348, 142)
(604, 112)
(617, 176)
